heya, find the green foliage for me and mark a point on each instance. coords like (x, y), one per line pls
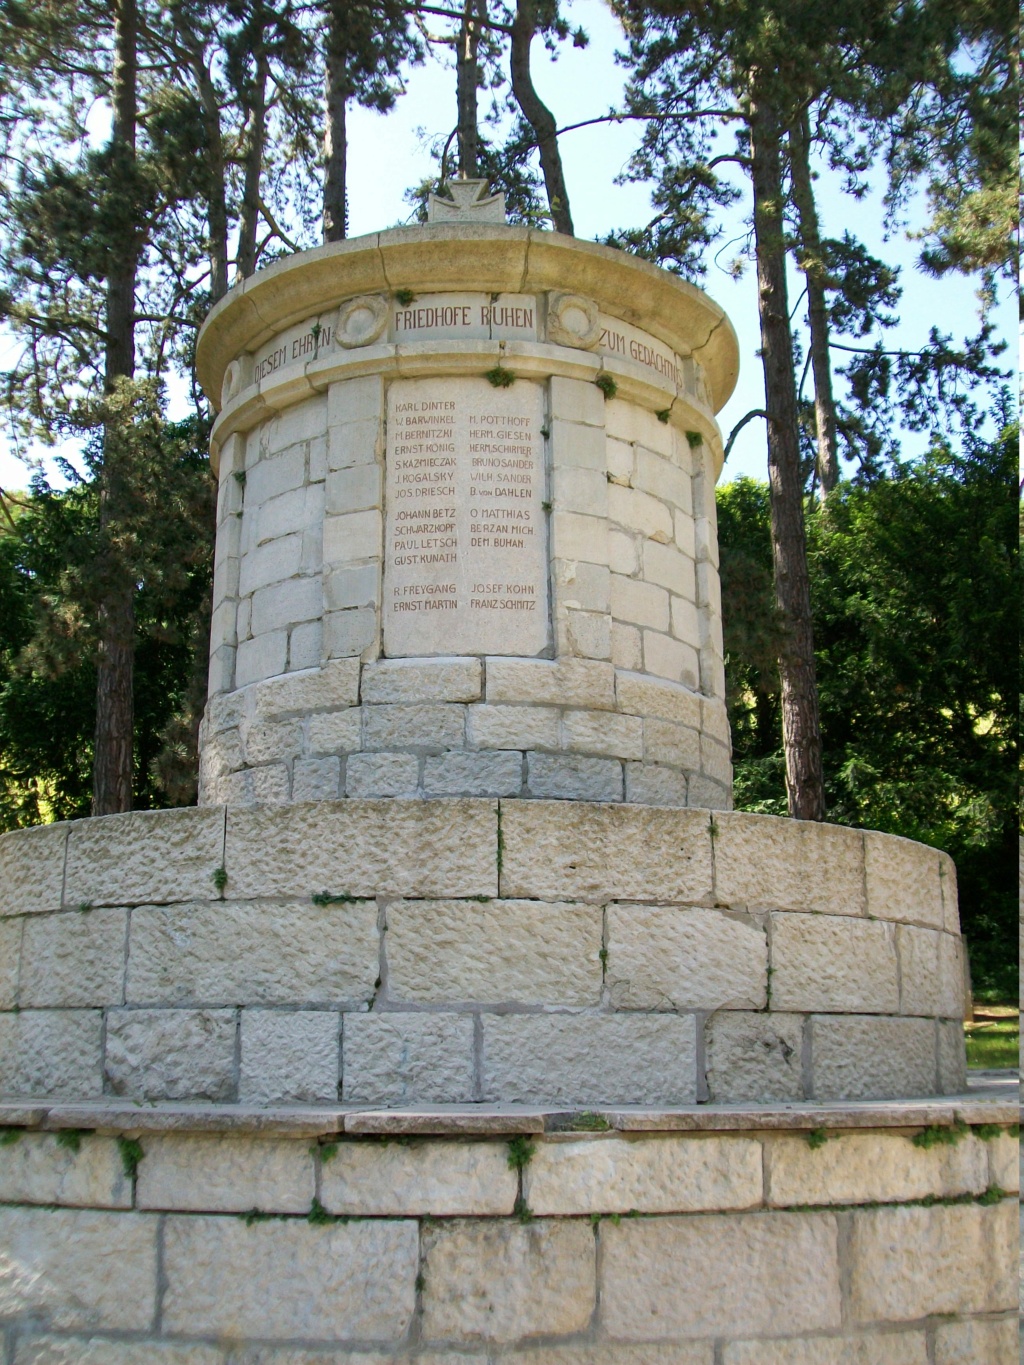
(318, 1215)
(70, 1139)
(219, 877)
(816, 1137)
(941, 1135)
(9, 1136)
(520, 1153)
(325, 898)
(131, 1153)
(500, 378)
(607, 385)
(993, 1195)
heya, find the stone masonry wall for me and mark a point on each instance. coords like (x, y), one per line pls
(572, 1248)
(415, 952)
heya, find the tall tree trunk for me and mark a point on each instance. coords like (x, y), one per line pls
(250, 212)
(538, 115)
(112, 758)
(801, 734)
(217, 209)
(335, 137)
(813, 267)
(467, 81)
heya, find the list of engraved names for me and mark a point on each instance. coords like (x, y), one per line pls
(466, 561)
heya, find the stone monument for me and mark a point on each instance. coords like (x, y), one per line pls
(464, 877)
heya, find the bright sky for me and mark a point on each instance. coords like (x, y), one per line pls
(389, 153)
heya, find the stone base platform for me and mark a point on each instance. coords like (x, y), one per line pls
(881, 1234)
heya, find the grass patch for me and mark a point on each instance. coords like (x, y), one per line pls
(993, 1037)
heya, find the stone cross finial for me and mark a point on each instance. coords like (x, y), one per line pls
(470, 202)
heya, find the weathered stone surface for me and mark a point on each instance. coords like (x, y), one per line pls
(32, 869)
(513, 727)
(952, 1057)
(469, 774)
(225, 1174)
(289, 1056)
(421, 848)
(171, 1054)
(350, 1281)
(580, 851)
(573, 777)
(650, 784)
(10, 958)
(421, 680)
(108, 1351)
(37, 1169)
(376, 775)
(253, 952)
(994, 1342)
(640, 695)
(1004, 1162)
(443, 1179)
(597, 732)
(887, 1348)
(830, 962)
(663, 958)
(579, 1059)
(857, 1057)
(859, 1168)
(668, 1175)
(74, 959)
(686, 1277)
(336, 732)
(507, 1281)
(52, 1052)
(154, 856)
(931, 973)
(77, 1269)
(754, 1058)
(432, 727)
(529, 952)
(908, 1263)
(316, 779)
(407, 1059)
(542, 682)
(761, 860)
(269, 741)
(903, 880)
(614, 1353)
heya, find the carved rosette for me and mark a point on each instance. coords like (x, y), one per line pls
(573, 321)
(361, 321)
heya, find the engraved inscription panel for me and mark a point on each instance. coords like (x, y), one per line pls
(465, 551)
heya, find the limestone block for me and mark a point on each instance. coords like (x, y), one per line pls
(613, 1353)
(624, 551)
(597, 732)
(253, 952)
(637, 511)
(526, 952)
(685, 621)
(270, 785)
(664, 958)
(289, 1057)
(171, 1054)
(513, 727)
(316, 779)
(432, 727)
(321, 689)
(858, 1057)
(889, 1348)
(10, 956)
(708, 795)
(299, 422)
(462, 774)
(903, 880)
(686, 535)
(261, 657)
(577, 489)
(628, 422)
(576, 537)
(357, 488)
(715, 760)
(753, 1058)
(573, 778)
(421, 680)
(952, 1057)
(665, 564)
(668, 742)
(591, 852)
(666, 1175)
(375, 775)
(288, 514)
(860, 1168)
(32, 869)
(931, 973)
(54, 1053)
(585, 683)
(342, 1282)
(353, 536)
(642, 604)
(761, 860)
(580, 1059)
(436, 848)
(355, 400)
(272, 476)
(715, 719)
(685, 1277)
(305, 646)
(225, 713)
(627, 646)
(1004, 1163)
(157, 856)
(352, 587)
(589, 634)
(442, 1179)
(573, 443)
(281, 604)
(911, 1262)
(221, 1173)
(662, 479)
(994, 1341)
(586, 586)
(108, 1351)
(834, 963)
(274, 562)
(77, 1268)
(270, 741)
(950, 907)
(37, 1169)
(503, 1281)
(642, 696)
(353, 443)
(392, 1059)
(74, 958)
(648, 784)
(577, 400)
(668, 658)
(336, 732)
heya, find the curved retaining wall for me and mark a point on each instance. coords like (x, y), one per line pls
(412, 952)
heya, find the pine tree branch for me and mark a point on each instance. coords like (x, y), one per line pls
(749, 417)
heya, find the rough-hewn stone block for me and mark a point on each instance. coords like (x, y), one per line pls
(377, 775)
(754, 1058)
(664, 958)
(435, 848)
(109, 1351)
(253, 952)
(572, 777)
(1004, 1162)
(468, 774)
(421, 680)
(952, 1057)
(316, 779)
(52, 1053)
(32, 869)
(171, 1054)
(320, 689)
(567, 682)
(597, 732)
(640, 695)
(858, 1057)
(590, 1059)
(289, 1056)
(667, 742)
(903, 880)
(216, 1173)
(145, 856)
(513, 727)
(877, 1167)
(443, 1179)
(831, 962)
(504, 1281)
(649, 784)
(993, 1341)
(685, 1277)
(761, 860)
(527, 952)
(10, 959)
(38, 1169)
(336, 732)
(432, 727)
(74, 959)
(931, 973)
(392, 1059)
(611, 1353)
(576, 851)
(348, 1281)
(888, 1348)
(668, 1175)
